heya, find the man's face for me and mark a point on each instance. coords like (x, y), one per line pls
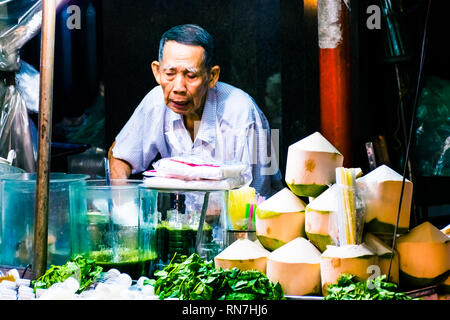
(183, 78)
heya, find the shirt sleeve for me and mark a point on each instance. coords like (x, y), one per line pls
(130, 144)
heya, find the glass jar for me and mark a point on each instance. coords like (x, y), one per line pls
(113, 230)
(179, 217)
(18, 196)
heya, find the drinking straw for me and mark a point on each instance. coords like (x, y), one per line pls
(237, 201)
(351, 204)
(247, 210)
(249, 215)
(345, 178)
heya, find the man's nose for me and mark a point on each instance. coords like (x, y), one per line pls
(179, 85)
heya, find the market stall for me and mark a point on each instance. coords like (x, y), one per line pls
(194, 229)
(137, 239)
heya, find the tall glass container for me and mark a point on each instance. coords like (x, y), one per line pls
(113, 230)
(17, 202)
(179, 214)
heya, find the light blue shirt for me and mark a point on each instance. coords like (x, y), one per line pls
(232, 128)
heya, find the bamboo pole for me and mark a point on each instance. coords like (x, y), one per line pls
(44, 140)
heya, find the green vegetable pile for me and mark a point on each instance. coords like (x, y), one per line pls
(348, 288)
(196, 279)
(84, 270)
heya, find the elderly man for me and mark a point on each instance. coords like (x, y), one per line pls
(191, 112)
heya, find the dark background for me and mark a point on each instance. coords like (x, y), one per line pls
(247, 37)
(255, 40)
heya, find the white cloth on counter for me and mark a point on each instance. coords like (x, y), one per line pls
(193, 168)
(202, 184)
(193, 173)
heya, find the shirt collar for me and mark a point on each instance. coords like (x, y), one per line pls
(172, 118)
(207, 129)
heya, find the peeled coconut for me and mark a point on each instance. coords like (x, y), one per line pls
(353, 259)
(318, 218)
(280, 219)
(424, 256)
(384, 253)
(380, 191)
(243, 254)
(296, 266)
(310, 165)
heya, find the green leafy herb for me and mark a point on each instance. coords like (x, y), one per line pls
(348, 288)
(196, 279)
(84, 270)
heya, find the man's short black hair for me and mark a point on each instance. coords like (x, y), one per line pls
(190, 34)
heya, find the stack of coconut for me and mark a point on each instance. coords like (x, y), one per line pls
(298, 243)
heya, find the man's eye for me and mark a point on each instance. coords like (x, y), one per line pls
(169, 74)
(191, 75)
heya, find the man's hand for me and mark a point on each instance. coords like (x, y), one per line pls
(120, 169)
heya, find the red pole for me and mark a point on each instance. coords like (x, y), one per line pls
(334, 65)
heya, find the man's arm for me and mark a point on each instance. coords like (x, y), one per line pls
(120, 169)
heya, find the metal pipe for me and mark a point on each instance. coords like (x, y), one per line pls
(199, 237)
(334, 66)
(44, 139)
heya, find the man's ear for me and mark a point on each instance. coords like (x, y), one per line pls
(214, 76)
(155, 69)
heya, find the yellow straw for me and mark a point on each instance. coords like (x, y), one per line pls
(344, 215)
(351, 207)
(237, 201)
(345, 178)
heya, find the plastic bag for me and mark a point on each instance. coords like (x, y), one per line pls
(194, 173)
(27, 82)
(17, 130)
(350, 218)
(192, 167)
(179, 184)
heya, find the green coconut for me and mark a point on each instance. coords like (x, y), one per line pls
(384, 254)
(280, 219)
(424, 256)
(296, 266)
(380, 190)
(353, 259)
(318, 220)
(243, 254)
(311, 164)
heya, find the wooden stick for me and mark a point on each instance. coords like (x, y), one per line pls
(44, 142)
